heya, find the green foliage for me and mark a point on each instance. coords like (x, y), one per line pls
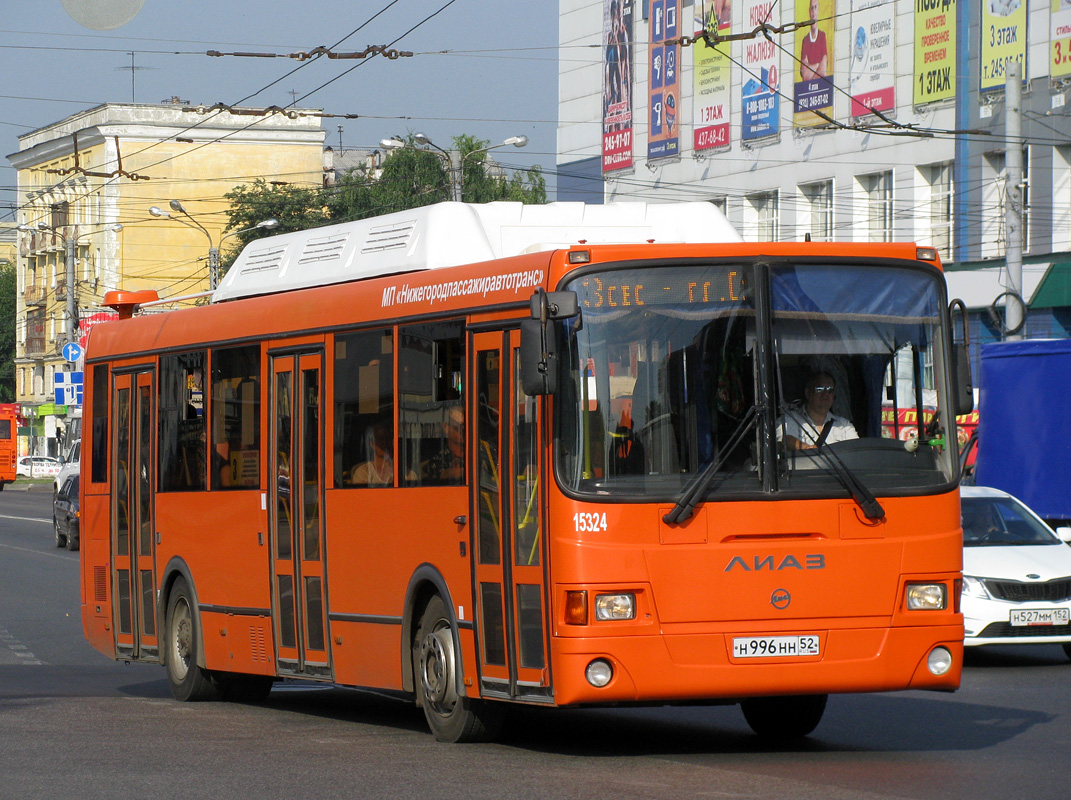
(410, 177)
(8, 292)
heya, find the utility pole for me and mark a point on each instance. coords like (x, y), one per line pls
(1014, 306)
(71, 243)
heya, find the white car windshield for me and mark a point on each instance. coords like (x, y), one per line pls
(1002, 521)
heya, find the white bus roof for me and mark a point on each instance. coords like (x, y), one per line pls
(449, 234)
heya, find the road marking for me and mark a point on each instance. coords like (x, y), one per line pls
(17, 649)
(27, 519)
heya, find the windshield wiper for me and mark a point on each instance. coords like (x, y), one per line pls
(691, 495)
(860, 494)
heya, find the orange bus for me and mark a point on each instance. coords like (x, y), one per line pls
(495, 454)
(9, 447)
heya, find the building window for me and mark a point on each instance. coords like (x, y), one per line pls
(764, 215)
(939, 177)
(818, 210)
(879, 196)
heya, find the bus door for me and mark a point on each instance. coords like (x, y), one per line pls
(508, 504)
(132, 529)
(299, 576)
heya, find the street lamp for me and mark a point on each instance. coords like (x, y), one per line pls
(454, 157)
(70, 245)
(213, 249)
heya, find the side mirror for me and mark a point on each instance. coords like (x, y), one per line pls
(539, 359)
(1064, 534)
(539, 348)
(963, 390)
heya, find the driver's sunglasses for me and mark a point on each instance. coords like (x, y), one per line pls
(825, 389)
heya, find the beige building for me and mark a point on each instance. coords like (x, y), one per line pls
(85, 187)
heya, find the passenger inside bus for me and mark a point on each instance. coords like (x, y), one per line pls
(448, 465)
(378, 470)
(801, 427)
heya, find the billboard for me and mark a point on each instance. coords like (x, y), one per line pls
(1060, 38)
(935, 51)
(813, 70)
(710, 105)
(617, 85)
(1003, 40)
(871, 72)
(760, 102)
(663, 135)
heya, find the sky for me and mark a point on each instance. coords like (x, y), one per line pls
(482, 67)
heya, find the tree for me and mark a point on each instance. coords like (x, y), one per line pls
(8, 293)
(409, 178)
(295, 207)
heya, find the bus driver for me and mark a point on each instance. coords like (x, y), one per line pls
(801, 427)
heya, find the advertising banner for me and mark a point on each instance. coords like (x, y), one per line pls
(711, 78)
(871, 73)
(813, 70)
(1003, 40)
(1060, 63)
(663, 138)
(761, 107)
(617, 85)
(935, 50)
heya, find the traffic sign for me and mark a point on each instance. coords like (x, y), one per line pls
(69, 388)
(72, 351)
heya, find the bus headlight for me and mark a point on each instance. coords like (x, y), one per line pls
(615, 606)
(927, 597)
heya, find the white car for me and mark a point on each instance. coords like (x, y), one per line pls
(1016, 573)
(37, 467)
(68, 467)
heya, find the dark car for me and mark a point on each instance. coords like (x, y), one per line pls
(65, 514)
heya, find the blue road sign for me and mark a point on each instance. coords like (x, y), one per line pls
(72, 351)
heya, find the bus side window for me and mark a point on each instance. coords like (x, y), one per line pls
(182, 422)
(431, 366)
(364, 409)
(235, 404)
(99, 423)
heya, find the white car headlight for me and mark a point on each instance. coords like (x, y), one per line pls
(974, 587)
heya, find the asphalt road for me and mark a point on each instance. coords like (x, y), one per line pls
(74, 724)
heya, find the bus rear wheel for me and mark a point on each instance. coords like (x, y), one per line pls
(188, 681)
(784, 717)
(451, 717)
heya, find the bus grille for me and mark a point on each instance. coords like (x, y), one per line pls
(100, 584)
(1018, 592)
(1005, 630)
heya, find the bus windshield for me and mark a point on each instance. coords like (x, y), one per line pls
(736, 370)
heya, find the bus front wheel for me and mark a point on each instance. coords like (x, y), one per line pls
(188, 681)
(452, 717)
(784, 717)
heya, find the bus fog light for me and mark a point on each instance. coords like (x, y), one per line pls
(939, 661)
(599, 672)
(927, 597)
(615, 606)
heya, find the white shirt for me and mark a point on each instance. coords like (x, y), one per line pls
(798, 423)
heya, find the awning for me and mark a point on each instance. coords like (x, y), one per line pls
(978, 288)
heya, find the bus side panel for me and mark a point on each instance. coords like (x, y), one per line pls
(225, 546)
(376, 540)
(95, 555)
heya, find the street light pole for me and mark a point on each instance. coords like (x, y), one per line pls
(455, 160)
(70, 248)
(213, 248)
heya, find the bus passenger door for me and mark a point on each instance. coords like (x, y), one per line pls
(508, 552)
(299, 576)
(132, 530)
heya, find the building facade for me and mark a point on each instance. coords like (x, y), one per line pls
(85, 188)
(847, 120)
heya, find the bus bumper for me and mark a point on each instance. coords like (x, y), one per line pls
(701, 667)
